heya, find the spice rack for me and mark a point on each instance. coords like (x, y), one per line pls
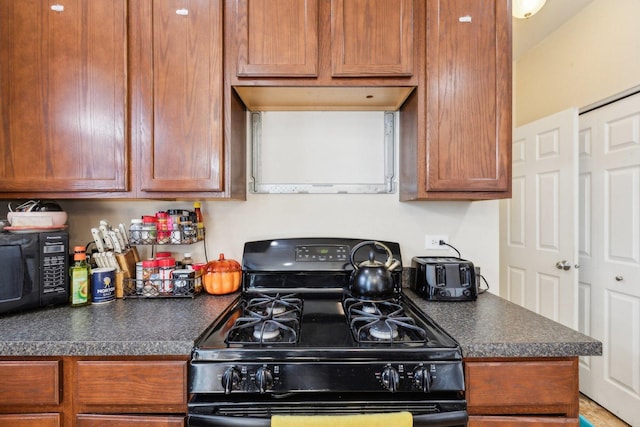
(162, 288)
(158, 277)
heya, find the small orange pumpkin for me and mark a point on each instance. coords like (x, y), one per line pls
(222, 276)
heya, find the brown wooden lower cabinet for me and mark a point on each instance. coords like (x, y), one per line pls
(30, 420)
(522, 391)
(489, 421)
(93, 391)
(92, 420)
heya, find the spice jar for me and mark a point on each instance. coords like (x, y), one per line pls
(151, 278)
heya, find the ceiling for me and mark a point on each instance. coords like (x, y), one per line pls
(527, 33)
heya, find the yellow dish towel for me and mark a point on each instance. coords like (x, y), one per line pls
(396, 419)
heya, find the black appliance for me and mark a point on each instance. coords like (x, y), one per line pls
(34, 270)
(295, 342)
(444, 279)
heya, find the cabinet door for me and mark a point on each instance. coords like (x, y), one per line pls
(372, 38)
(468, 95)
(177, 95)
(93, 420)
(30, 420)
(29, 383)
(522, 387)
(148, 386)
(276, 38)
(483, 421)
(63, 92)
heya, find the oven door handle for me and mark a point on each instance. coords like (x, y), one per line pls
(444, 419)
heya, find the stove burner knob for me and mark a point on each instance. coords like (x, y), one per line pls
(264, 379)
(422, 379)
(390, 379)
(230, 379)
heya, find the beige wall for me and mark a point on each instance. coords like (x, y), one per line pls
(592, 57)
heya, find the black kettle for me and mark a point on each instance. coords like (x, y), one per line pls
(372, 279)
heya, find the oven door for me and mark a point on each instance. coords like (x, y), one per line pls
(257, 412)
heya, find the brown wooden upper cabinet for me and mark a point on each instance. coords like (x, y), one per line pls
(117, 99)
(323, 38)
(372, 38)
(277, 38)
(455, 130)
(63, 92)
(177, 97)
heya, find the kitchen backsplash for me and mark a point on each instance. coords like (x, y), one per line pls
(472, 227)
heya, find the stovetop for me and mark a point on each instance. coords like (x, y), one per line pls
(319, 327)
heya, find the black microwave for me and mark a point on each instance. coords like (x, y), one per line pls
(34, 270)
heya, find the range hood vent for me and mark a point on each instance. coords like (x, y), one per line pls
(280, 98)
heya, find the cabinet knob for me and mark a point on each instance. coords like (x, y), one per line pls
(57, 8)
(465, 19)
(182, 12)
(619, 278)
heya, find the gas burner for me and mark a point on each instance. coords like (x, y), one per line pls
(266, 331)
(383, 331)
(381, 321)
(275, 305)
(268, 319)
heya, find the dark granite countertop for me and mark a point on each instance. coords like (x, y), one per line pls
(132, 327)
(495, 327)
(488, 327)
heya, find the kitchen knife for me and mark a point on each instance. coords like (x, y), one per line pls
(119, 239)
(125, 236)
(97, 238)
(115, 241)
(105, 236)
(98, 259)
(112, 261)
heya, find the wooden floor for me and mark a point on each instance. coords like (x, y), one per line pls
(597, 415)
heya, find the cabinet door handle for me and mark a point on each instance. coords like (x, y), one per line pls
(57, 8)
(464, 19)
(182, 12)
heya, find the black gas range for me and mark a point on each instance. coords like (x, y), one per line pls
(298, 342)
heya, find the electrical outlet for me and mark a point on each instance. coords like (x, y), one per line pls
(432, 241)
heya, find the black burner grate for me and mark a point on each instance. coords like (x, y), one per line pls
(382, 321)
(268, 320)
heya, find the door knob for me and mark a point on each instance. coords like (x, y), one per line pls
(563, 265)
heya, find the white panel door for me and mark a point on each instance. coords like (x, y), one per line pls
(538, 244)
(610, 254)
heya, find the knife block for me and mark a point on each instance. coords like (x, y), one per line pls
(127, 262)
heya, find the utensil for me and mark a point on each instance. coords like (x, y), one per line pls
(125, 236)
(105, 235)
(113, 236)
(97, 238)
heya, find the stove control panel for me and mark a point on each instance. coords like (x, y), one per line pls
(322, 253)
(288, 377)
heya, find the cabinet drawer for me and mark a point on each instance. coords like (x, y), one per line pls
(521, 421)
(522, 387)
(146, 384)
(91, 420)
(29, 383)
(30, 420)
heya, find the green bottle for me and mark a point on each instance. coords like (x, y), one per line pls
(80, 277)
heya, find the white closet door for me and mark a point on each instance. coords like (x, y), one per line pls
(609, 247)
(538, 244)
